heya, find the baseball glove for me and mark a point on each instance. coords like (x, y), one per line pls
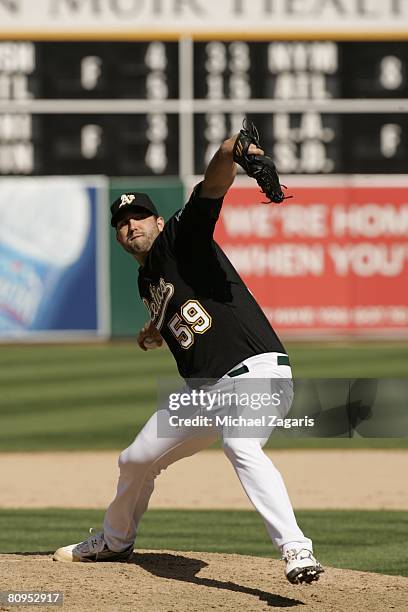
(260, 167)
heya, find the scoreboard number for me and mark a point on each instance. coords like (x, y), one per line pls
(391, 72)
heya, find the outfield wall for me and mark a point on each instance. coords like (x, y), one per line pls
(128, 313)
(331, 262)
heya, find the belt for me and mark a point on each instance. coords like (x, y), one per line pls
(282, 360)
(242, 370)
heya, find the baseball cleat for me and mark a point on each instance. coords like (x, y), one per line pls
(90, 550)
(301, 566)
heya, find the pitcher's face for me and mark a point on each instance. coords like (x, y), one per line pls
(136, 231)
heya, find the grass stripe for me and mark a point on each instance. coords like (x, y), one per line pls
(360, 540)
(100, 395)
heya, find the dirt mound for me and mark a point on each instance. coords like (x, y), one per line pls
(166, 581)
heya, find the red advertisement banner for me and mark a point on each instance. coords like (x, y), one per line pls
(331, 260)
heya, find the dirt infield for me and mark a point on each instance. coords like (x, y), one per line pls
(196, 582)
(316, 479)
(167, 581)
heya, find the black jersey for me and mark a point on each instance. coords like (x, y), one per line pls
(197, 300)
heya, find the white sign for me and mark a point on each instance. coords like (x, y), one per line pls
(201, 18)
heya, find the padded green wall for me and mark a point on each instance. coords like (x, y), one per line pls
(127, 311)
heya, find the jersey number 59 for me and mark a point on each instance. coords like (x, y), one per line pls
(194, 319)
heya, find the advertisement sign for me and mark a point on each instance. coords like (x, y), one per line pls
(52, 258)
(331, 260)
(138, 18)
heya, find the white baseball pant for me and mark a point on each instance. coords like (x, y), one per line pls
(149, 454)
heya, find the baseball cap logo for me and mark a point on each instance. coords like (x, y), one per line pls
(126, 199)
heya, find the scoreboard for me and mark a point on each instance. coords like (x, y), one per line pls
(162, 107)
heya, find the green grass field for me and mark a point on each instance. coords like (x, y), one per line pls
(360, 540)
(98, 396)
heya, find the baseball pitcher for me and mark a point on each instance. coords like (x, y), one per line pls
(215, 330)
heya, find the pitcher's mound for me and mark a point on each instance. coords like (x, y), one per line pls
(166, 581)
